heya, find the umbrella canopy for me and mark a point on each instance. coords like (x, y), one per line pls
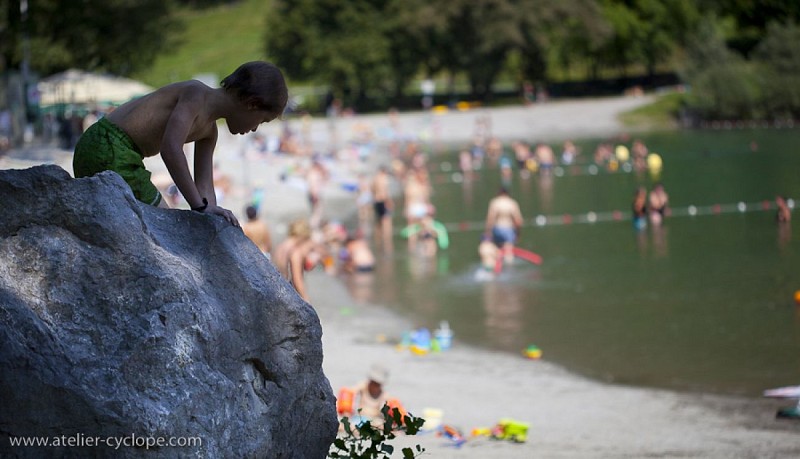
(79, 87)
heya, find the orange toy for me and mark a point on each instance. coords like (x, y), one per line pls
(344, 402)
(394, 404)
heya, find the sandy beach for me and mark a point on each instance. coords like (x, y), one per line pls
(569, 416)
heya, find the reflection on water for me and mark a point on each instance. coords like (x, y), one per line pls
(503, 308)
(545, 188)
(651, 242)
(361, 285)
(784, 235)
(504, 304)
(702, 301)
(421, 267)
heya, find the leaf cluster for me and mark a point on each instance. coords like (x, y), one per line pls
(366, 441)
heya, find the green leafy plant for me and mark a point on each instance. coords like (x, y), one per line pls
(366, 441)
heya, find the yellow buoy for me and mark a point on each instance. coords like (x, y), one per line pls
(622, 153)
(654, 162)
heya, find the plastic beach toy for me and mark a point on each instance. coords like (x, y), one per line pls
(510, 429)
(442, 238)
(533, 352)
(344, 402)
(420, 341)
(444, 335)
(452, 434)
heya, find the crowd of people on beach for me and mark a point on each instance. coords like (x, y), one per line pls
(400, 172)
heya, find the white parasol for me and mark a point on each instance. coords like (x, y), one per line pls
(79, 87)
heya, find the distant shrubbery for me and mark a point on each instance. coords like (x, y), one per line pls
(724, 85)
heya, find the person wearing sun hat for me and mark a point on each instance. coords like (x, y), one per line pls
(370, 395)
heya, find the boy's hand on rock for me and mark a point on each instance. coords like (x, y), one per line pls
(225, 213)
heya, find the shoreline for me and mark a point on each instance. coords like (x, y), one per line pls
(569, 415)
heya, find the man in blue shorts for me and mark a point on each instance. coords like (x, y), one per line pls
(503, 222)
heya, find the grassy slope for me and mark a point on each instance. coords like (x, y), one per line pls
(215, 40)
(662, 113)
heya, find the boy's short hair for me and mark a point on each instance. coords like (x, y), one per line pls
(260, 81)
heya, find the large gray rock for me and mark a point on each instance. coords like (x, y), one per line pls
(119, 319)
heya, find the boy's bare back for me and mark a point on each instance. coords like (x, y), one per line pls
(145, 119)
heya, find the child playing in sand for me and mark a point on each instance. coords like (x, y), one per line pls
(174, 115)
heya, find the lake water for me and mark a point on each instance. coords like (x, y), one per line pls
(705, 302)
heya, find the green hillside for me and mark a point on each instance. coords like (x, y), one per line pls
(214, 40)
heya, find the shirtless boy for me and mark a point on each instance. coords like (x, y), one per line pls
(503, 221)
(174, 115)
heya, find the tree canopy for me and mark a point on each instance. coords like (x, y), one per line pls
(113, 35)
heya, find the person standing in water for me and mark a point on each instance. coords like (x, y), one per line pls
(503, 221)
(639, 208)
(657, 204)
(784, 214)
(383, 205)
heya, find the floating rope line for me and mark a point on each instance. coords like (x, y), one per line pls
(447, 175)
(618, 215)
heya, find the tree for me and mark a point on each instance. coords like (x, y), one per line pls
(723, 85)
(647, 32)
(419, 41)
(750, 18)
(112, 35)
(479, 35)
(570, 29)
(666, 25)
(778, 58)
(623, 47)
(343, 44)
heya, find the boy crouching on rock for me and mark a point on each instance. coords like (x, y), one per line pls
(176, 114)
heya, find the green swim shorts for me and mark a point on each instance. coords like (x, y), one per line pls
(106, 147)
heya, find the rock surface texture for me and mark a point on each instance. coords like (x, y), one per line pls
(124, 323)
